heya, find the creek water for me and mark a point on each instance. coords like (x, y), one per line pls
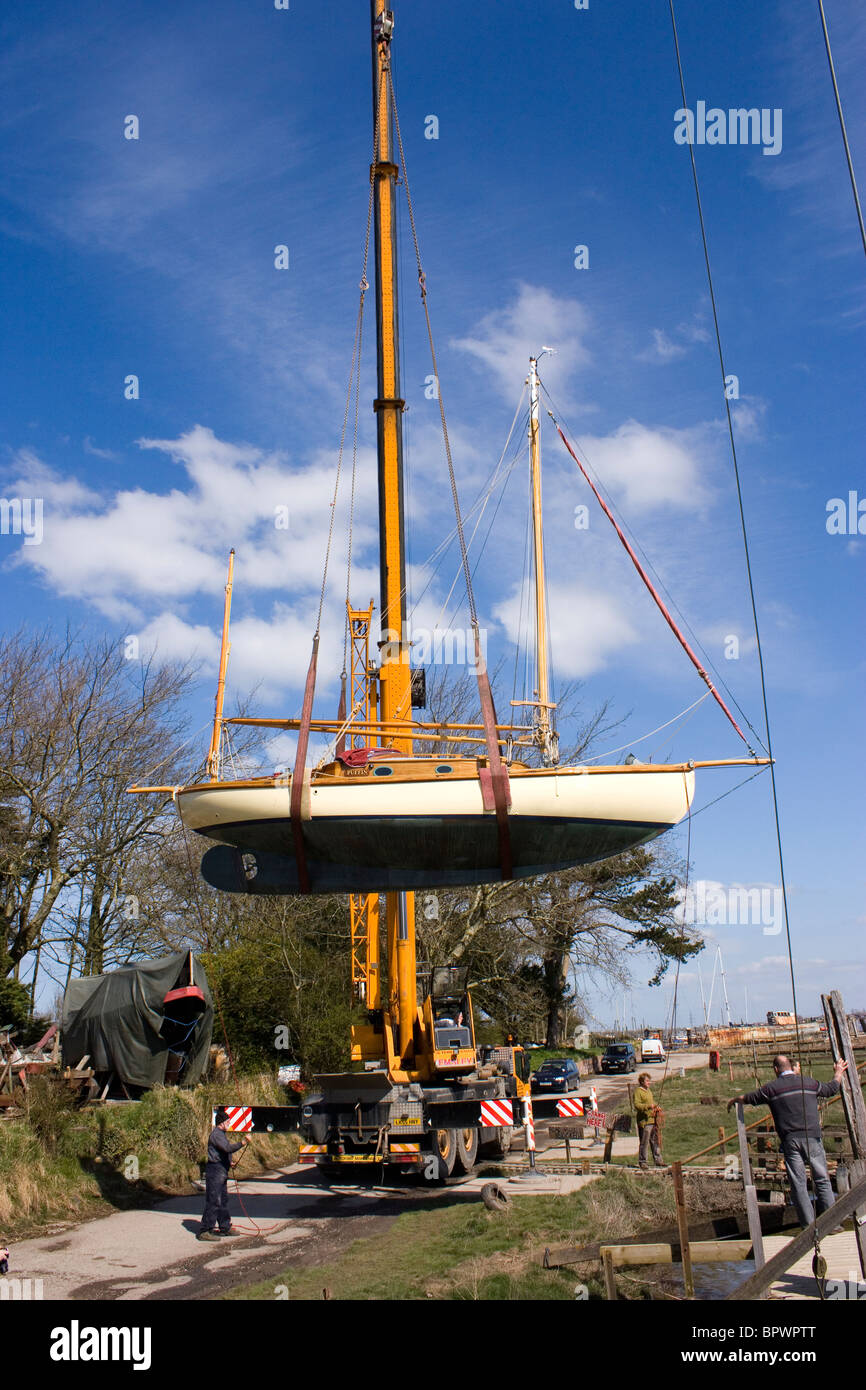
(717, 1280)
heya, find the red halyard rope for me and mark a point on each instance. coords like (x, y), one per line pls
(652, 589)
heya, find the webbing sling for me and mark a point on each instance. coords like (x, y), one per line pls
(497, 773)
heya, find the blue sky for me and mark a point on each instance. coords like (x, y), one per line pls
(155, 257)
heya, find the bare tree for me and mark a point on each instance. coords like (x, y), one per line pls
(78, 724)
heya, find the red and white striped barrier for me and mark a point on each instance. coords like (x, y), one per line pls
(240, 1118)
(593, 1095)
(569, 1105)
(496, 1112)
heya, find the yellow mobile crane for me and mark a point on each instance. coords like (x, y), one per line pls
(420, 1095)
(428, 1097)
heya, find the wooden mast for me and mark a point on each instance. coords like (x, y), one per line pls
(544, 734)
(213, 757)
(394, 671)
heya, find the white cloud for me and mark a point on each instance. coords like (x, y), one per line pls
(506, 338)
(125, 552)
(662, 349)
(748, 415)
(170, 638)
(91, 448)
(644, 467)
(587, 627)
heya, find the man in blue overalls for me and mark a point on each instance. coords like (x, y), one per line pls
(216, 1221)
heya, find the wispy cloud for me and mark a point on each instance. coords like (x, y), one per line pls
(507, 337)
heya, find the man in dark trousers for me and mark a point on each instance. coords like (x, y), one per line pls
(793, 1102)
(216, 1180)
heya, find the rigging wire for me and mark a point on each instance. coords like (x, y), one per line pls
(842, 124)
(439, 552)
(623, 746)
(524, 598)
(745, 536)
(422, 282)
(487, 497)
(595, 481)
(354, 379)
(488, 533)
(682, 940)
(656, 596)
(729, 792)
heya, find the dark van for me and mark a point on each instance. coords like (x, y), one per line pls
(619, 1057)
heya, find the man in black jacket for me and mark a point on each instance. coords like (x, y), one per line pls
(793, 1102)
(216, 1181)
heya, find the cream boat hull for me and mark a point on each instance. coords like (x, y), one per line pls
(368, 836)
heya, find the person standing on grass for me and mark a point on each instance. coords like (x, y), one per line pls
(646, 1111)
(793, 1102)
(216, 1221)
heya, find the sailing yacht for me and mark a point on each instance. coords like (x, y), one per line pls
(378, 816)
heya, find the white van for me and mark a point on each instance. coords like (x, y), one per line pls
(651, 1050)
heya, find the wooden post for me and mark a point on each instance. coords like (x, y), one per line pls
(853, 1104)
(608, 1147)
(827, 1222)
(751, 1195)
(568, 1150)
(609, 1276)
(683, 1226)
(840, 1046)
(723, 1140)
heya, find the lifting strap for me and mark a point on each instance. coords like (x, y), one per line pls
(494, 778)
(298, 810)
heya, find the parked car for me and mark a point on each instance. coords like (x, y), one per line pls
(559, 1074)
(619, 1057)
(652, 1050)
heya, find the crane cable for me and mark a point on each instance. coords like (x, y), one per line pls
(422, 283)
(495, 776)
(744, 529)
(842, 124)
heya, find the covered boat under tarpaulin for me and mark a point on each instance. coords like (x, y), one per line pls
(148, 1024)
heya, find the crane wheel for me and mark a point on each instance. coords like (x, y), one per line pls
(496, 1142)
(494, 1197)
(446, 1151)
(467, 1150)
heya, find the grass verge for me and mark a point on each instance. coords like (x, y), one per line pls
(458, 1250)
(60, 1164)
(690, 1126)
